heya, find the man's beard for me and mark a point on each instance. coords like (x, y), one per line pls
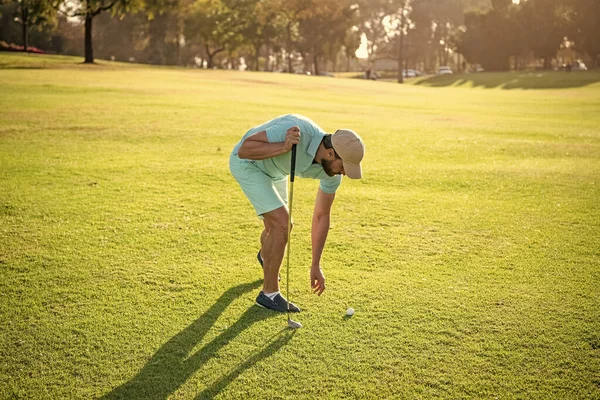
(327, 167)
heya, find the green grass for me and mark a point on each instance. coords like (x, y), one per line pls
(502, 80)
(514, 80)
(470, 250)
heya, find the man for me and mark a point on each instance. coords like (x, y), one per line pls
(260, 163)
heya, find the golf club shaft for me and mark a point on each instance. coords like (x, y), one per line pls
(292, 173)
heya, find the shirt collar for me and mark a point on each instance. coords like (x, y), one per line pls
(314, 144)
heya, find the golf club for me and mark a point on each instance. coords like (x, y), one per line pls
(291, 323)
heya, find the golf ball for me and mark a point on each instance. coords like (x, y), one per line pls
(350, 311)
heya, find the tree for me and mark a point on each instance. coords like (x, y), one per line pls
(165, 23)
(121, 37)
(351, 44)
(584, 25)
(260, 24)
(490, 38)
(401, 22)
(32, 13)
(211, 23)
(447, 16)
(424, 30)
(483, 40)
(324, 28)
(372, 13)
(545, 28)
(516, 34)
(291, 12)
(157, 28)
(419, 46)
(88, 9)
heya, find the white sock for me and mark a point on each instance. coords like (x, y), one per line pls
(272, 295)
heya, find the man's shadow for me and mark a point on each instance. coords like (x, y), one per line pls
(172, 365)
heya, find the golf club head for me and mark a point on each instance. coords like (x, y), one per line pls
(293, 324)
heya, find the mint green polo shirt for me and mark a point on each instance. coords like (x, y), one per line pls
(311, 136)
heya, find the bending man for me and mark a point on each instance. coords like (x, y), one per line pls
(260, 163)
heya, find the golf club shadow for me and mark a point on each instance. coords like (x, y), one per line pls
(172, 365)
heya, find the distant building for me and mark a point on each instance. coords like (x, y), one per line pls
(385, 64)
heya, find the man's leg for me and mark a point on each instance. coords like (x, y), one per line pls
(263, 235)
(282, 190)
(269, 199)
(273, 239)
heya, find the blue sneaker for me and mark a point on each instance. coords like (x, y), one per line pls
(260, 260)
(279, 303)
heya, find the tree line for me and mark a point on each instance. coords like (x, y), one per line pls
(534, 27)
(308, 35)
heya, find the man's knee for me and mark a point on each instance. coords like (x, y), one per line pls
(276, 223)
(280, 231)
(279, 228)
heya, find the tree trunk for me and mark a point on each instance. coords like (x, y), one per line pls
(268, 58)
(156, 33)
(289, 47)
(316, 64)
(279, 61)
(24, 26)
(210, 58)
(257, 47)
(401, 55)
(211, 55)
(25, 44)
(177, 51)
(307, 63)
(89, 52)
(445, 55)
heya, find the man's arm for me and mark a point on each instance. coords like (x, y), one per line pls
(320, 228)
(258, 147)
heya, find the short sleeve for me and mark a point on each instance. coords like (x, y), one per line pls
(330, 184)
(276, 132)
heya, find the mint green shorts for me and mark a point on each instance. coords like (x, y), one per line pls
(264, 192)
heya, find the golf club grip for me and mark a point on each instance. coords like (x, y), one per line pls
(293, 167)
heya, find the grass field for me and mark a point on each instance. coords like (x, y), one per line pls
(470, 250)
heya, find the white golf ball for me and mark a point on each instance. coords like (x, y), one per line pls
(350, 311)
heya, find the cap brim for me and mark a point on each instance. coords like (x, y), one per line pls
(353, 171)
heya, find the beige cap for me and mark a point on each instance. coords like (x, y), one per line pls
(350, 147)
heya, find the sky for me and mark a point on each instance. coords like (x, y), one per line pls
(362, 52)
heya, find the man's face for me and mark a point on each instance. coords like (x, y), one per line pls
(334, 167)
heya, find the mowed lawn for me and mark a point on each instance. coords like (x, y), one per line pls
(470, 250)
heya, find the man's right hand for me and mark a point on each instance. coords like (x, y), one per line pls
(292, 137)
(317, 280)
